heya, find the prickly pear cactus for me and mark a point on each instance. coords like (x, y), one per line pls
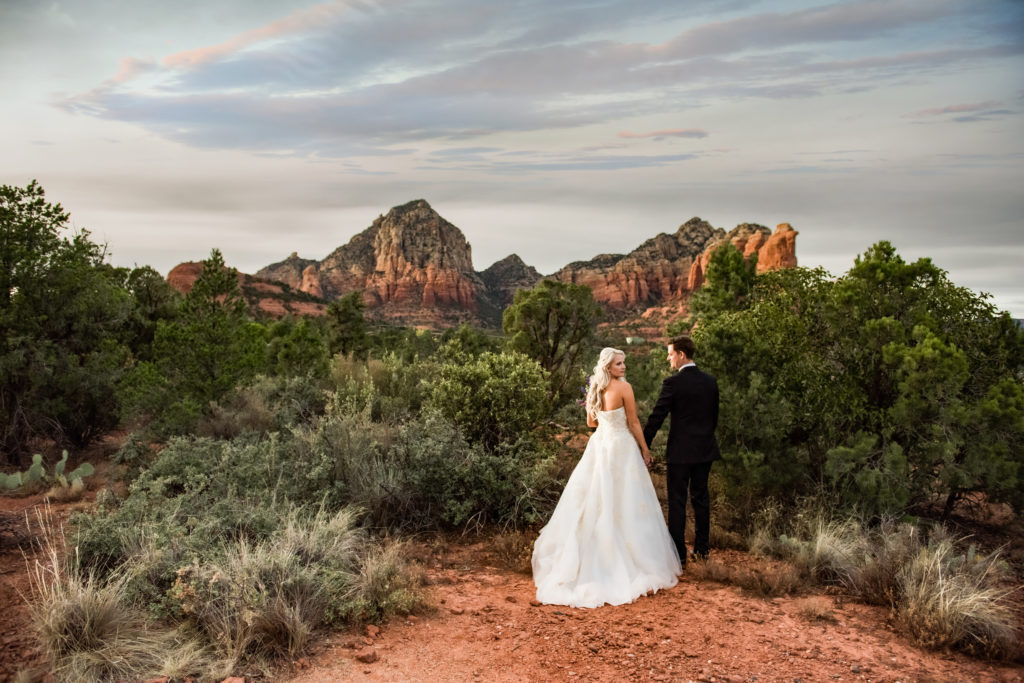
(58, 469)
(35, 472)
(81, 472)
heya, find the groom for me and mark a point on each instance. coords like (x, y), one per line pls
(691, 396)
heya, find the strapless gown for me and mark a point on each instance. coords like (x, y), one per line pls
(606, 541)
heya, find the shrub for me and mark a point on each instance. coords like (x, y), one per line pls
(296, 348)
(424, 474)
(894, 386)
(393, 389)
(494, 398)
(386, 585)
(267, 404)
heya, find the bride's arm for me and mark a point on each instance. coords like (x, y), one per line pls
(591, 420)
(634, 423)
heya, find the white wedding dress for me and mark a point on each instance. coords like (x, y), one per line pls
(606, 541)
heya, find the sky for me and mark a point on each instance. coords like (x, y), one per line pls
(554, 130)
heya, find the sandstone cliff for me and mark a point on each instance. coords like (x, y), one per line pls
(505, 277)
(289, 271)
(414, 267)
(275, 298)
(661, 273)
(773, 250)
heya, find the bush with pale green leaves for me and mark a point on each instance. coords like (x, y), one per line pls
(494, 398)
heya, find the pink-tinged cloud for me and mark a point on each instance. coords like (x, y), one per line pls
(131, 67)
(957, 109)
(295, 22)
(671, 133)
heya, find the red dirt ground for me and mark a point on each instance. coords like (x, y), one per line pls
(483, 627)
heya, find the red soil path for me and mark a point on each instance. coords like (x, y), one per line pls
(483, 627)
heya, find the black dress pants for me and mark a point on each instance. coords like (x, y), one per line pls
(692, 478)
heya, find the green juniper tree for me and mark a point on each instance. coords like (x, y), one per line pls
(62, 314)
(554, 323)
(209, 349)
(891, 385)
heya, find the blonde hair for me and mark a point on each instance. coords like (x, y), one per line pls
(600, 379)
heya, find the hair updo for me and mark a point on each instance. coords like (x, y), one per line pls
(600, 379)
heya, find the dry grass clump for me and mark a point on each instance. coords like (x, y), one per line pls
(815, 608)
(768, 580)
(720, 537)
(89, 634)
(265, 599)
(954, 600)
(514, 551)
(874, 575)
(941, 596)
(246, 601)
(387, 584)
(823, 550)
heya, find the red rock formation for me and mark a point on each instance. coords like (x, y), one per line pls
(184, 275)
(409, 259)
(271, 298)
(311, 281)
(774, 250)
(657, 270)
(779, 251)
(415, 267)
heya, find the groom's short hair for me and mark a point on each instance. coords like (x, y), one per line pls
(684, 344)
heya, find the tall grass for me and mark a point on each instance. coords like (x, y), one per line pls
(954, 600)
(941, 596)
(87, 631)
(246, 601)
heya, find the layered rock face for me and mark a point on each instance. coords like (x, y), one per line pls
(289, 271)
(271, 297)
(668, 268)
(507, 276)
(774, 250)
(657, 270)
(415, 267)
(410, 258)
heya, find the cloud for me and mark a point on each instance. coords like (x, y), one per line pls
(131, 68)
(351, 78)
(984, 116)
(294, 23)
(569, 162)
(670, 133)
(955, 109)
(962, 113)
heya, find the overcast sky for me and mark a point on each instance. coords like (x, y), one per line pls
(555, 130)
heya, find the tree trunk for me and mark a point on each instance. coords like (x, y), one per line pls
(951, 499)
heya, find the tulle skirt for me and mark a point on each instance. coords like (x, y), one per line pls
(606, 541)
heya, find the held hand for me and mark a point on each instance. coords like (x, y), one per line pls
(647, 458)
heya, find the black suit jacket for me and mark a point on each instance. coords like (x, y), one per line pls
(690, 396)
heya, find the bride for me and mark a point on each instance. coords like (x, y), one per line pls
(606, 541)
